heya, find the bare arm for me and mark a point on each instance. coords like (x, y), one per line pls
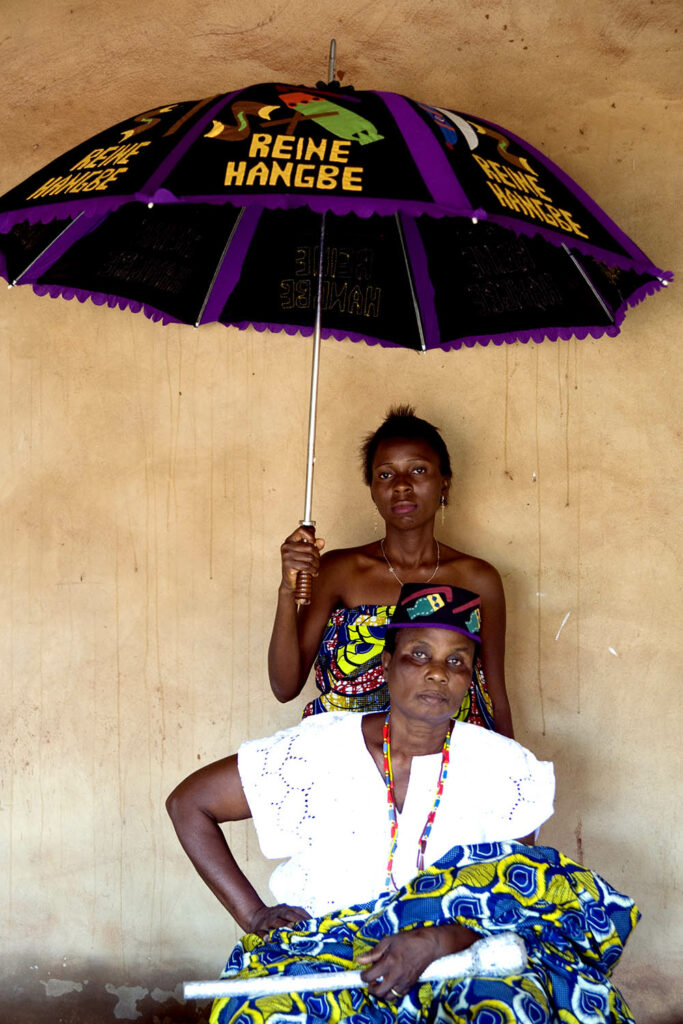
(490, 589)
(209, 796)
(296, 634)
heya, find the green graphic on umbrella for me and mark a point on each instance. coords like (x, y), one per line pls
(344, 123)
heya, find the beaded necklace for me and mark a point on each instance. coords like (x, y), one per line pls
(393, 820)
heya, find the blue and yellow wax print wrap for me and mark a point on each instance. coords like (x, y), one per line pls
(574, 925)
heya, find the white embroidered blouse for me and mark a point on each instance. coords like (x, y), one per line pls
(318, 799)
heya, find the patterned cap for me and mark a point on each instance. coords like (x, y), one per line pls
(438, 607)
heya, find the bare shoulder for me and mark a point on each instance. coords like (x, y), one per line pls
(346, 559)
(346, 563)
(470, 572)
(351, 575)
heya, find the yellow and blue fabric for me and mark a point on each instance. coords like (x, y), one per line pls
(348, 668)
(573, 922)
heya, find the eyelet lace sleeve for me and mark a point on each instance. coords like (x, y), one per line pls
(286, 779)
(510, 792)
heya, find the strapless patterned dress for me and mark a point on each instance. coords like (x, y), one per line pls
(348, 668)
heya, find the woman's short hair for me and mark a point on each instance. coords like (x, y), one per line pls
(401, 423)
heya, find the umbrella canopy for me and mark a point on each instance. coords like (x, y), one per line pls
(441, 229)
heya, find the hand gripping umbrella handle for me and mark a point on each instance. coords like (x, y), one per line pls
(304, 580)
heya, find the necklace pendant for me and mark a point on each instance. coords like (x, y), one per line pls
(396, 575)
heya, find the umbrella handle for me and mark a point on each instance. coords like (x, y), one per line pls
(304, 580)
(304, 587)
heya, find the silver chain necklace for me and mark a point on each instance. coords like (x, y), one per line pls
(396, 575)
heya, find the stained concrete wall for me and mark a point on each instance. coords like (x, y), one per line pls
(148, 475)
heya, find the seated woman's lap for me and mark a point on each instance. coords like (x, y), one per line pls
(477, 1000)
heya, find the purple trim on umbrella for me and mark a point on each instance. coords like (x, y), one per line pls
(307, 332)
(231, 268)
(536, 335)
(361, 206)
(366, 206)
(427, 153)
(102, 299)
(152, 313)
(424, 288)
(607, 223)
(60, 211)
(172, 159)
(641, 266)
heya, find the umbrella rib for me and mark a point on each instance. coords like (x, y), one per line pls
(220, 264)
(404, 249)
(588, 281)
(68, 227)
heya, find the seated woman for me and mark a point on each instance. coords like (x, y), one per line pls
(393, 858)
(407, 467)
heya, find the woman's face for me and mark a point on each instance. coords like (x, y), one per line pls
(429, 672)
(407, 483)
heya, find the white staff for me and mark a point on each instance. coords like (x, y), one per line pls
(496, 956)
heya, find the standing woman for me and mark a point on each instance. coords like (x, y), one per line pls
(408, 470)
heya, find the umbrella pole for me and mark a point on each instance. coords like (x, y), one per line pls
(304, 580)
(331, 64)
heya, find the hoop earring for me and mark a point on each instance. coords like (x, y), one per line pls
(442, 503)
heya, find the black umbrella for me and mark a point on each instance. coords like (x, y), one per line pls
(325, 211)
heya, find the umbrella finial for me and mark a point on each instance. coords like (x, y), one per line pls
(331, 67)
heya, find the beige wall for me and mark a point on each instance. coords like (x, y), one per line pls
(149, 474)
